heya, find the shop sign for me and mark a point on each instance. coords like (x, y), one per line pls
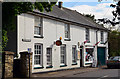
(78, 55)
(58, 42)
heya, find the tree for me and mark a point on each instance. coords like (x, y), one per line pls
(114, 36)
(116, 16)
(90, 16)
(11, 9)
(114, 43)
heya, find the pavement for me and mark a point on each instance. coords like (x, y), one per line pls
(81, 73)
(65, 73)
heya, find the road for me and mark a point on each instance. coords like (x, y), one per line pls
(100, 73)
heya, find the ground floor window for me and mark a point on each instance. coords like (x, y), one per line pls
(63, 55)
(74, 54)
(49, 56)
(38, 53)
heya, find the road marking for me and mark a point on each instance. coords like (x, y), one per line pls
(103, 77)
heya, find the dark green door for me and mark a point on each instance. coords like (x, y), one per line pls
(101, 55)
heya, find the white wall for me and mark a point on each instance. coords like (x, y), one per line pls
(52, 30)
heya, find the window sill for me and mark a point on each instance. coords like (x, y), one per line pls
(67, 39)
(38, 37)
(49, 66)
(88, 63)
(38, 67)
(63, 65)
(74, 63)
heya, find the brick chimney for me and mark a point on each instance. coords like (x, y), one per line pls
(60, 4)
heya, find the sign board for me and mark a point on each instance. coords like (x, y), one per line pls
(78, 55)
(58, 42)
(29, 50)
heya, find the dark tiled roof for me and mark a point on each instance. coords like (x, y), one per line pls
(71, 15)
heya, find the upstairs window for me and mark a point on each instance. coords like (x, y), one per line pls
(67, 31)
(38, 26)
(87, 35)
(102, 37)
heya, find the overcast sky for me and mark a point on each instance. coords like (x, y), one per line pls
(99, 9)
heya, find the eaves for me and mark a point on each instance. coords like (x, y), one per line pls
(66, 21)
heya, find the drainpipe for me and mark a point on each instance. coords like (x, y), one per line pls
(95, 51)
(83, 55)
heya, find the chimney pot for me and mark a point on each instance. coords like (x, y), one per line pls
(60, 4)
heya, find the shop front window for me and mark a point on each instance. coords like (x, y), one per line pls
(89, 54)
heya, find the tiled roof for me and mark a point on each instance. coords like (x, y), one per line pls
(71, 15)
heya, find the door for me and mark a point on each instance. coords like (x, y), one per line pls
(101, 56)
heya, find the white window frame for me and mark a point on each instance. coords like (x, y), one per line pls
(74, 54)
(50, 55)
(87, 30)
(38, 51)
(63, 54)
(102, 37)
(38, 22)
(67, 31)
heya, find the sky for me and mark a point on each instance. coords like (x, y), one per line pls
(99, 9)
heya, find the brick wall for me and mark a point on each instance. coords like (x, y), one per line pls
(8, 64)
(24, 58)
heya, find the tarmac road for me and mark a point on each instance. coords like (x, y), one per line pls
(97, 73)
(101, 73)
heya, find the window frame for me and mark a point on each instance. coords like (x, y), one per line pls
(67, 32)
(63, 54)
(87, 35)
(36, 53)
(49, 55)
(102, 37)
(75, 54)
(40, 26)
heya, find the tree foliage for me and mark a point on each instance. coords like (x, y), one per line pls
(114, 43)
(90, 16)
(116, 16)
(11, 9)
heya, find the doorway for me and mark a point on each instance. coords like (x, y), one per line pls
(101, 56)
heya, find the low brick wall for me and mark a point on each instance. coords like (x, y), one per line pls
(16, 67)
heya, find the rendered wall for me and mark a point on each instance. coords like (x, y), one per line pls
(52, 30)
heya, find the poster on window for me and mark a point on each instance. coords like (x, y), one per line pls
(78, 55)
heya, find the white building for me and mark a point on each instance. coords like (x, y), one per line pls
(39, 31)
